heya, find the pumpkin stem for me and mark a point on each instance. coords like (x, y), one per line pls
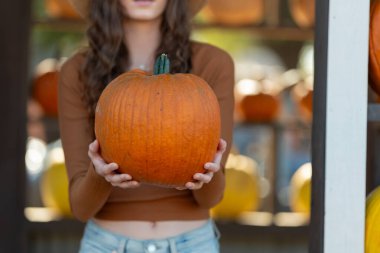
(162, 65)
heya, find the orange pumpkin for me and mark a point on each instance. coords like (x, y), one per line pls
(302, 94)
(45, 86)
(60, 9)
(303, 12)
(259, 107)
(306, 103)
(237, 12)
(160, 128)
(374, 46)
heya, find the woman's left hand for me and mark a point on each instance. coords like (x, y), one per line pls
(211, 167)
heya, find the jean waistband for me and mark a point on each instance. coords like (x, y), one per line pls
(207, 231)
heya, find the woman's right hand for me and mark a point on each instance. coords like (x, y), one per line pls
(108, 170)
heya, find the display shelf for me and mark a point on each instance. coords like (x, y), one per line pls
(227, 228)
(62, 226)
(287, 33)
(61, 25)
(245, 231)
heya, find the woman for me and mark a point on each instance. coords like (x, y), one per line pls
(124, 215)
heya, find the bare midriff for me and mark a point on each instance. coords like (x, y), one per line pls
(143, 230)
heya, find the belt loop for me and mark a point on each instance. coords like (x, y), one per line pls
(172, 245)
(216, 230)
(122, 246)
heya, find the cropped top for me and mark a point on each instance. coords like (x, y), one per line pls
(92, 196)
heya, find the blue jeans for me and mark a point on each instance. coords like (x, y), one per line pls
(201, 240)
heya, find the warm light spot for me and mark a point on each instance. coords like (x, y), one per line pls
(248, 86)
(261, 219)
(35, 155)
(290, 219)
(41, 214)
(290, 77)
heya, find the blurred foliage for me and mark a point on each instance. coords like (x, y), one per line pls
(232, 41)
(38, 10)
(49, 42)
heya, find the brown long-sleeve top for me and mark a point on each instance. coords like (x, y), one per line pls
(92, 196)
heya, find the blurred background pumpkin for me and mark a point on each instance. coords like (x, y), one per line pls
(237, 12)
(300, 190)
(303, 12)
(254, 104)
(374, 46)
(372, 229)
(45, 86)
(242, 192)
(54, 185)
(60, 9)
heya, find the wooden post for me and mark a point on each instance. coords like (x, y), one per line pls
(339, 126)
(14, 43)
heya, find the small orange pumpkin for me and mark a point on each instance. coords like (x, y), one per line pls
(374, 46)
(302, 94)
(60, 9)
(161, 128)
(260, 107)
(237, 12)
(306, 103)
(45, 86)
(303, 12)
(256, 101)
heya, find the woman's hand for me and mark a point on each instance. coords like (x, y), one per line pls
(108, 170)
(211, 167)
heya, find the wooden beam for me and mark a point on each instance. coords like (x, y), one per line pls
(339, 126)
(14, 43)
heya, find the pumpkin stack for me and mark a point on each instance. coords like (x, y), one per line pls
(374, 46)
(161, 128)
(242, 192)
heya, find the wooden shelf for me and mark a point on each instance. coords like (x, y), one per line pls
(46, 219)
(62, 226)
(266, 32)
(232, 230)
(61, 25)
(285, 33)
(228, 229)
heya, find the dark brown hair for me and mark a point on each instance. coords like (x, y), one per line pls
(107, 55)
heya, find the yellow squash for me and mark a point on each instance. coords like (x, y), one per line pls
(242, 188)
(372, 229)
(300, 189)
